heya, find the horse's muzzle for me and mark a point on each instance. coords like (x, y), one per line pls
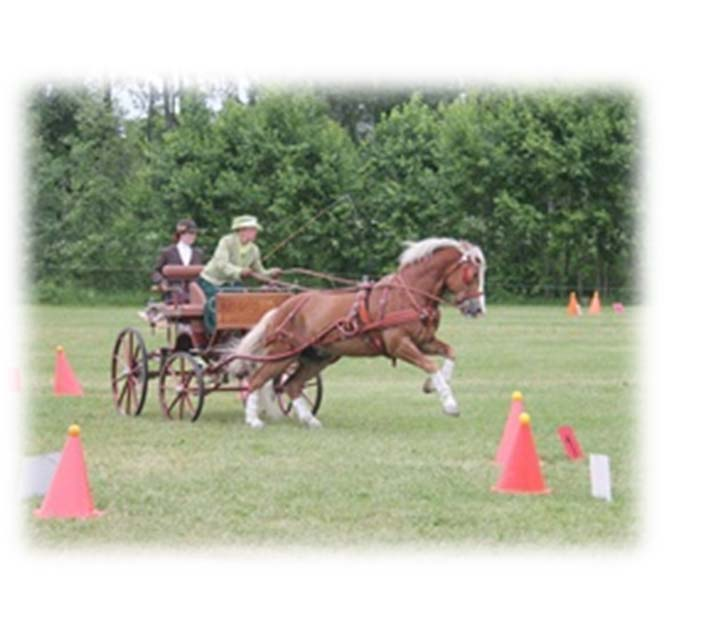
(472, 307)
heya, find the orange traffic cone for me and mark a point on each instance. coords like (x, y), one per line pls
(595, 306)
(511, 426)
(65, 381)
(69, 494)
(574, 309)
(521, 473)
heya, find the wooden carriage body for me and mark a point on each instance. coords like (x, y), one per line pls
(192, 364)
(242, 311)
(237, 311)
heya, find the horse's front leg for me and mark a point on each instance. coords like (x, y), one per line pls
(410, 352)
(439, 348)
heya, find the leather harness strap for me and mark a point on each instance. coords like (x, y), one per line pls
(371, 329)
(358, 321)
(360, 314)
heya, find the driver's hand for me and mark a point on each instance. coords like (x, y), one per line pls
(274, 272)
(246, 271)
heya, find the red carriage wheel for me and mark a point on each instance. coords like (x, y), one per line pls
(129, 372)
(312, 390)
(181, 387)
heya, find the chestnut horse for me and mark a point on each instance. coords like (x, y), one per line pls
(397, 316)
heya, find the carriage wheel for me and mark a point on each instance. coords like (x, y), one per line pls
(312, 390)
(181, 387)
(129, 372)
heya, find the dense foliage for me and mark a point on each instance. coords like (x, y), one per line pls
(542, 180)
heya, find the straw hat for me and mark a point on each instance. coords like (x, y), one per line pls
(246, 220)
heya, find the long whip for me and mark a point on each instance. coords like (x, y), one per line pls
(290, 237)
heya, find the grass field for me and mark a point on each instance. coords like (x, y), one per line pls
(388, 468)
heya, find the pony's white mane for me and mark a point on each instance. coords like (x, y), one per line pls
(421, 249)
(416, 251)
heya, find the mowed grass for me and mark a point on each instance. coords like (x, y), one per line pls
(388, 468)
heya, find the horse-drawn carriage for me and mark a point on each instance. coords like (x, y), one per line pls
(289, 338)
(192, 365)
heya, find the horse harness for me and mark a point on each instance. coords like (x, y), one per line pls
(358, 321)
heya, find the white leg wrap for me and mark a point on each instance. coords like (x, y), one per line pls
(251, 416)
(267, 404)
(448, 369)
(449, 404)
(303, 412)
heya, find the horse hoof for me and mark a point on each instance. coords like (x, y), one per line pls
(451, 408)
(427, 387)
(313, 422)
(256, 423)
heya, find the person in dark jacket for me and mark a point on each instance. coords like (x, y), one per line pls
(180, 252)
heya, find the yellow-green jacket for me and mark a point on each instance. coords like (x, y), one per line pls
(230, 258)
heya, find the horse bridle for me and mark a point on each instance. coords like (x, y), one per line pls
(468, 276)
(466, 259)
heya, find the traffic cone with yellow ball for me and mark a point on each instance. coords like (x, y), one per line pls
(65, 382)
(521, 473)
(69, 495)
(511, 426)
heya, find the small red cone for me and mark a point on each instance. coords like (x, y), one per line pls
(574, 309)
(595, 306)
(65, 381)
(521, 473)
(69, 495)
(511, 426)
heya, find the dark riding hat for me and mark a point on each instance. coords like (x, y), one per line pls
(186, 225)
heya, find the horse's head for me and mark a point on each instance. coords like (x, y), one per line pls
(465, 280)
(463, 265)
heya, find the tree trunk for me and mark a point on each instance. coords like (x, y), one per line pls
(170, 120)
(599, 269)
(108, 102)
(150, 112)
(566, 267)
(579, 283)
(547, 274)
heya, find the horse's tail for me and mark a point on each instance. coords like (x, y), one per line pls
(253, 343)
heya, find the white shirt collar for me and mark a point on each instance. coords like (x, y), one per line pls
(185, 252)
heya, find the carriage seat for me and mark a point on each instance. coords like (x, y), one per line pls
(182, 272)
(195, 307)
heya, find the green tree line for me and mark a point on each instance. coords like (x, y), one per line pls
(542, 180)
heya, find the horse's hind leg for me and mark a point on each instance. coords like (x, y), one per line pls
(262, 375)
(439, 348)
(307, 369)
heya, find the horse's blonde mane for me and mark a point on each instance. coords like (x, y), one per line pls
(415, 251)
